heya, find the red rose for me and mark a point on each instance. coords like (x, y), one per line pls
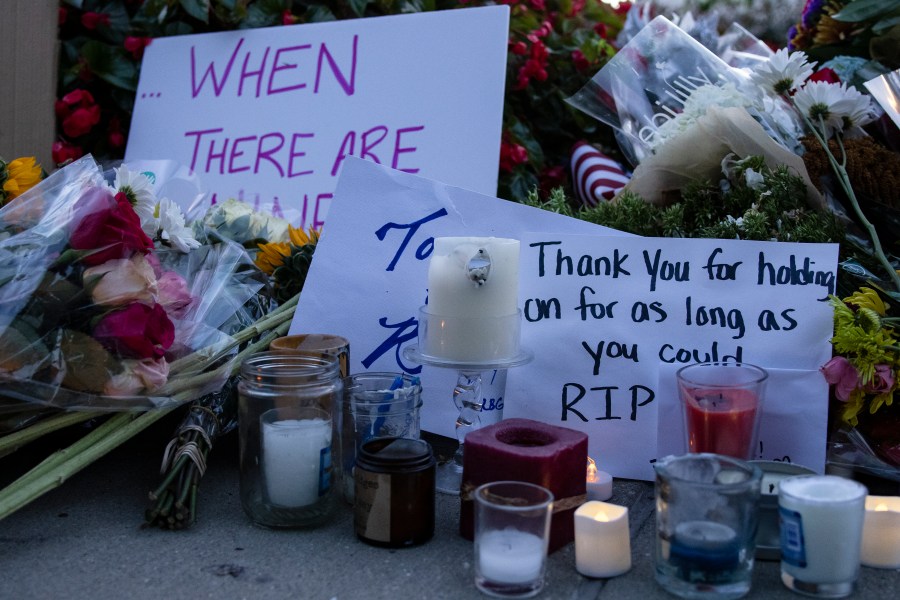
(136, 45)
(136, 331)
(109, 225)
(92, 20)
(64, 151)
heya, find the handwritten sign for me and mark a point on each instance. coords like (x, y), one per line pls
(609, 317)
(269, 116)
(615, 317)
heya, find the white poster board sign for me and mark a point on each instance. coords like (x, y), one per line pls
(614, 318)
(269, 116)
(607, 338)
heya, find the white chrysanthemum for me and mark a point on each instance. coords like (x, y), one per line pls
(837, 106)
(783, 72)
(172, 228)
(696, 106)
(139, 190)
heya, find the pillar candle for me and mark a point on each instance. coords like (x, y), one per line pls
(881, 533)
(453, 289)
(472, 313)
(602, 540)
(534, 452)
(296, 457)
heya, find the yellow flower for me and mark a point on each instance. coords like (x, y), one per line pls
(271, 256)
(22, 174)
(866, 297)
(300, 238)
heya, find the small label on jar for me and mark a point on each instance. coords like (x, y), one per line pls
(372, 505)
(793, 546)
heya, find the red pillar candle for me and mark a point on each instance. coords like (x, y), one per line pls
(534, 452)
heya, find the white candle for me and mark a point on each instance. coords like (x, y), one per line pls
(821, 518)
(599, 483)
(452, 291)
(510, 556)
(881, 533)
(296, 456)
(472, 312)
(602, 540)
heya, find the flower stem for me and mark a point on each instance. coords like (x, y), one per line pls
(99, 442)
(844, 179)
(11, 442)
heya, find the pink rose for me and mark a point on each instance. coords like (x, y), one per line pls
(136, 331)
(121, 281)
(145, 375)
(883, 380)
(840, 373)
(174, 295)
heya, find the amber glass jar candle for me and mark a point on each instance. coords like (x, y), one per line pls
(394, 495)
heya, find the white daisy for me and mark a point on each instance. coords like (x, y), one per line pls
(172, 228)
(821, 102)
(783, 72)
(139, 190)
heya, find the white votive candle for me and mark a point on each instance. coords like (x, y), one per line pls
(602, 540)
(881, 533)
(510, 556)
(296, 454)
(821, 518)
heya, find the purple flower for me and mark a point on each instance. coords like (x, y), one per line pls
(842, 375)
(883, 380)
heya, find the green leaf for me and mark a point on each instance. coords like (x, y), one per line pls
(886, 24)
(862, 10)
(359, 7)
(199, 9)
(110, 64)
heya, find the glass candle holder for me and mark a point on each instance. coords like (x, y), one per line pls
(706, 521)
(512, 530)
(285, 403)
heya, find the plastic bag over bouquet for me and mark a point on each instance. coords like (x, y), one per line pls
(666, 96)
(108, 301)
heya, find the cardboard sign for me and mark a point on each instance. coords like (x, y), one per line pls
(269, 116)
(615, 317)
(609, 317)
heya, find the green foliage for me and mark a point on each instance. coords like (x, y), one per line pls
(777, 210)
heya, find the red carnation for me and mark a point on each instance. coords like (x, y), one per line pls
(109, 225)
(136, 331)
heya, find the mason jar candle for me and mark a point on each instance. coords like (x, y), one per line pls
(285, 403)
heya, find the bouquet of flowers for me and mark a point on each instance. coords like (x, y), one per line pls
(664, 93)
(110, 303)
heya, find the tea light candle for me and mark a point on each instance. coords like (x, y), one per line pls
(510, 556)
(881, 533)
(296, 457)
(599, 483)
(602, 540)
(705, 546)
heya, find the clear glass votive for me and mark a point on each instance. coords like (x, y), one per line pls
(285, 438)
(706, 521)
(722, 404)
(821, 519)
(512, 531)
(374, 404)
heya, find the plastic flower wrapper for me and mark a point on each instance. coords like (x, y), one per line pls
(94, 311)
(666, 95)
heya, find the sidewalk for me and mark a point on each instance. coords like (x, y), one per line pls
(84, 540)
